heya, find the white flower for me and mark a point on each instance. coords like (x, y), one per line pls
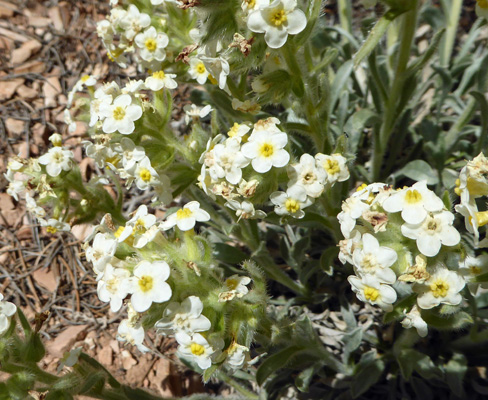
(435, 230)
(414, 203)
(152, 44)
(443, 286)
(16, 186)
(101, 251)
(193, 112)
(348, 246)
(145, 174)
(120, 115)
(198, 70)
(7, 309)
(57, 159)
(159, 80)
(276, 21)
(149, 284)
(228, 162)
(218, 68)
(292, 202)
(352, 209)
(249, 5)
(245, 209)
(236, 287)
(414, 320)
(482, 8)
(141, 227)
(133, 87)
(472, 267)
(370, 290)
(307, 175)
(195, 348)
(185, 317)
(238, 131)
(266, 150)
(186, 217)
(131, 154)
(334, 165)
(133, 21)
(373, 259)
(268, 124)
(132, 334)
(33, 208)
(114, 286)
(54, 225)
(236, 355)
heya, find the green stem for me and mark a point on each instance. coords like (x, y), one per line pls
(344, 7)
(452, 10)
(391, 112)
(237, 386)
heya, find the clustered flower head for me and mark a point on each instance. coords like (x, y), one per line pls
(228, 165)
(401, 242)
(143, 266)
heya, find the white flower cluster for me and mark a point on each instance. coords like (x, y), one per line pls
(264, 148)
(140, 280)
(309, 178)
(29, 179)
(379, 225)
(131, 163)
(7, 309)
(130, 31)
(471, 185)
(223, 163)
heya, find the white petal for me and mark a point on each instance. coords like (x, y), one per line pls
(297, 21)
(255, 22)
(429, 245)
(275, 38)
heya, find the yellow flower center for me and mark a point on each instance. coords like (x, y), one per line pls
(233, 130)
(439, 288)
(119, 113)
(146, 283)
(369, 262)
(332, 167)
(145, 175)
(231, 283)
(475, 270)
(371, 293)
(292, 206)
(119, 231)
(115, 54)
(197, 349)
(150, 44)
(432, 225)
(84, 78)
(139, 227)
(266, 150)
(278, 17)
(250, 3)
(159, 75)
(51, 229)
(482, 3)
(183, 213)
(482, 218)
(212, 80)
(363, 186)
(413, 197)
(200, 68)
